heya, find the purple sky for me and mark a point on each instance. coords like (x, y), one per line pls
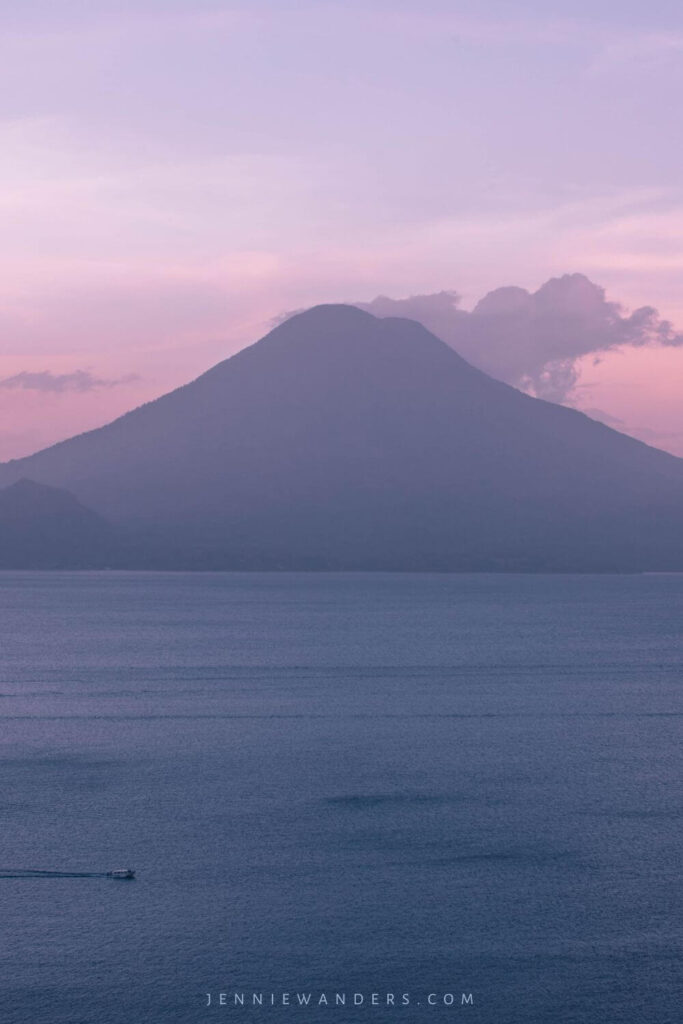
(175, 174)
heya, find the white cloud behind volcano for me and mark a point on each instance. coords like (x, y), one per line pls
(534, 340)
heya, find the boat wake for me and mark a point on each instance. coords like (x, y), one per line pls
(126, 873)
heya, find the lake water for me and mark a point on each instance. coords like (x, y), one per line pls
(341, 784)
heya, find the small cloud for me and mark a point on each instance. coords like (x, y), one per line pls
(660, 438)
(275, 321)
(648, 50)
(655, 436)
(604, 417)
(57, 383)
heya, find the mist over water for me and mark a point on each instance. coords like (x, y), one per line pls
(341, 783)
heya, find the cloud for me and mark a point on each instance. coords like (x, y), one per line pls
(604, 417)
(648, 50)
(534, 340)
(58, 383)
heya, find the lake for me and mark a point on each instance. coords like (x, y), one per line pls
(431, 787)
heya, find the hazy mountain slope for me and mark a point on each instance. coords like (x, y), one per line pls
(346, 441)
(46, 528)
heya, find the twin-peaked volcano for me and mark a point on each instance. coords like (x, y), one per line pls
(344, 441)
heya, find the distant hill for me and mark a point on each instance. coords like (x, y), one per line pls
(46, 528)
(343, 441)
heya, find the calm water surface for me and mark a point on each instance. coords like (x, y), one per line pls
(341, 783)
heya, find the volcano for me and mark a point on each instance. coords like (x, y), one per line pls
(344, 441)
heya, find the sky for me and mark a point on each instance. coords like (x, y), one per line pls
(175, 174)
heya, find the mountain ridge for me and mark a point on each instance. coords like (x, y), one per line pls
(45, 527)
(341, 440)
(218, 367)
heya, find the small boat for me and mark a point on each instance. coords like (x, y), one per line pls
(125, 873)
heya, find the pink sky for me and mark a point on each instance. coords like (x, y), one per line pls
(176, 174)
